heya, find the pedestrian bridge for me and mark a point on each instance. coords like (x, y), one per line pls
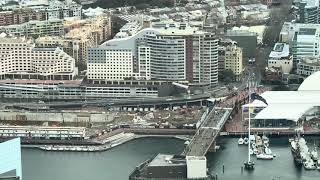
(208, 132)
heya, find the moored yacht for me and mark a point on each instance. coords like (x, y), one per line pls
(246, 140)
(240, 141)
(309, 165)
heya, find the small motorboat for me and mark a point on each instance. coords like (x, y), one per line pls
(265, 156)
(251, 151)
(246, 140)
(249, 165)
(265, 140)
(255, 151)
(240, 141)
(268, 151)
(309, 165)
(187, 143)
(314, 154)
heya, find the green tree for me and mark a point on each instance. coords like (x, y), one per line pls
(227, 76)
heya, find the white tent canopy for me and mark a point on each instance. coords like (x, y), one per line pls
(290, 105)
(312, 83)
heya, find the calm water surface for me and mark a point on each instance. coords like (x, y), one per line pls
(117, 163)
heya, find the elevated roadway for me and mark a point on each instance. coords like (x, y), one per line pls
(136, 102)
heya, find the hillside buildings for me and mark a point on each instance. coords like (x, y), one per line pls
(19, 16)
(39, 10)
(174, 52)
(82, 35)
(19, 59)
(35, 29)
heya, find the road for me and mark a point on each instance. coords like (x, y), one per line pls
(208, 132)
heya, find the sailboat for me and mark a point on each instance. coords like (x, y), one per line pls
(249, 165)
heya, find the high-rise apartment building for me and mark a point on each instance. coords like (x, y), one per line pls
(19, 16)
(19, 59)
(35, 29)
(176, 52)
(233, 60)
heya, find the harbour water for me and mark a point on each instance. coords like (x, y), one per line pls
(117, 163)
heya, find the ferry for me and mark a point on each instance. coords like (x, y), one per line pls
(265, 156)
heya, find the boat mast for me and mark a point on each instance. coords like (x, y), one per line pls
(250, 86)
(249, 92)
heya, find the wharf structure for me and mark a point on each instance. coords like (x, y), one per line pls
(287, 109)
(42, 132)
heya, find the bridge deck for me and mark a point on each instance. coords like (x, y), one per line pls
(207, 132)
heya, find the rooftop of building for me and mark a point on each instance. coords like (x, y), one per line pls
(312, 61)
(280, 50)
(202, 158)
(12, 40)
(307, 31)
(167, 160)
(290, 105)
(310, 3)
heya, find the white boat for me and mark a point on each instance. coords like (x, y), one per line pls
(265, 156)
(252, 138)
(240, 141)
(186, 143)
(265, 140)
(314, 155)
(251, 152)
(309, 165)
(268, 151)
(246, 140)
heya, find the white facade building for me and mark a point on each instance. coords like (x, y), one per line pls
(280, 58)
(176, 52)
(308, 11)
(19, 59)
(117, 65)
(306, 42)
(196, 167)
(308, 66)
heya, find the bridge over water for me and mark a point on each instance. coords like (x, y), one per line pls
(208, 132)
